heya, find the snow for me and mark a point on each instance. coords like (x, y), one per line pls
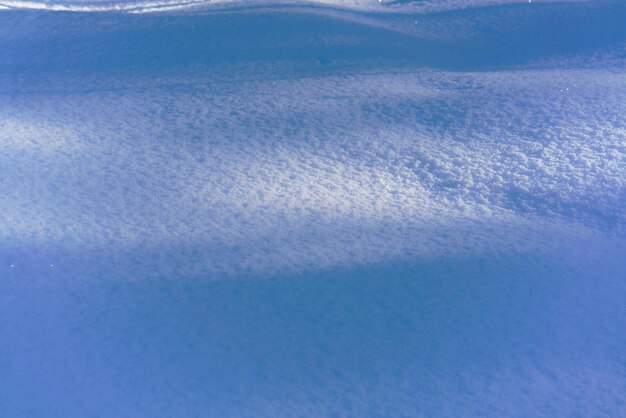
(135, 6)
(312, 211)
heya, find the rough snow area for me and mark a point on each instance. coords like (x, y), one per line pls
(310, 211)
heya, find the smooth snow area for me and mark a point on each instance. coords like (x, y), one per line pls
(148, 6)
(281, 211)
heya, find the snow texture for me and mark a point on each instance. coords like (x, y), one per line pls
(326, 209)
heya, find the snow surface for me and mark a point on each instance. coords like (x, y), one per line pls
(284, 210)
(148, 6)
